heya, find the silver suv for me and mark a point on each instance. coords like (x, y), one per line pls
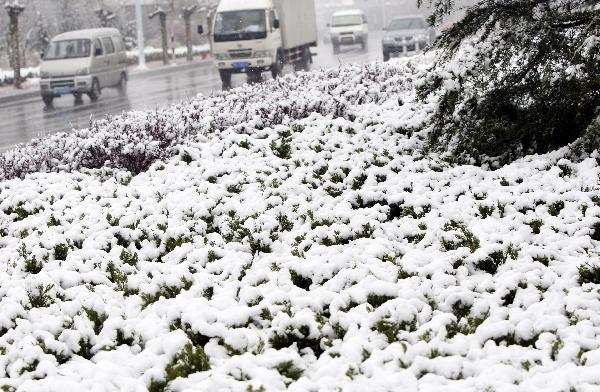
(406, 35)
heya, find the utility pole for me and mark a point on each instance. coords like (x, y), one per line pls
(383, 13)
(140, 34)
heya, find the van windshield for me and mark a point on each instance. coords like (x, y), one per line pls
(240, 25)
(68, 49)
(346, 20)
(407, 24)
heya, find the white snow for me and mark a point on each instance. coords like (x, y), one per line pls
(316, 252)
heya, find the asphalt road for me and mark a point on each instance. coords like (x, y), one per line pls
(24, 119)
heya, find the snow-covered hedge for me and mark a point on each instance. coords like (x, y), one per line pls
(135, 140)
(7, 76)
(300, 239)
(155, 54)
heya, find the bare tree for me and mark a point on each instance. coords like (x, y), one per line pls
(187, 19)
(106, 17)
(162, 17)
(14, 9)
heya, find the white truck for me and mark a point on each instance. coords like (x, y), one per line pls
(256, 36)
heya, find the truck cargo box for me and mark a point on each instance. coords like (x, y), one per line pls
(298, 22)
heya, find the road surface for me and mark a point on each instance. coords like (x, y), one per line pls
(24, 119)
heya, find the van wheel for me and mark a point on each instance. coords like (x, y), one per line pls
(225, 79)
(122, 86)
(254, 77)
(48, 100)
(95, 93)
(78, 99)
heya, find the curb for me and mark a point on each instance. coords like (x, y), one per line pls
(132, 75)
(19, 96)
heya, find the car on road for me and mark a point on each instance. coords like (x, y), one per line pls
(406, 35)
(348, 27)
(83, 62)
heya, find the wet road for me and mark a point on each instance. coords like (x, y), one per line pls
(24, 119)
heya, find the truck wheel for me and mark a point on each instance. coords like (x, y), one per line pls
(336, 49)
(225, 78)
(365, 45)
(122, 86)
(48, 100)
(304, 63)
(386, 56)
(277, 67)
(95, 93)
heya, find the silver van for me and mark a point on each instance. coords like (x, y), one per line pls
(83, 62)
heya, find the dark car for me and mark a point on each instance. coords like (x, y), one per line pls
(406, 35)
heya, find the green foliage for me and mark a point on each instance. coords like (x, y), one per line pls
(555, 208)
(515, 90)
(536, 226)
(188, 361)
(173, 243)
(589, 273)
(166, 292)
(40, 296)
(245, 144)
(377, 300)
(129, 258)
(495, 259)
(283, 147)
(391, 329)
(119, 278)
(463, 237)
(96, 318)
(289, 370)
(53, 222)
(284, 223)
(32, 266)
(61, 251)
(300, 281)
(300, 336)
(186, 157)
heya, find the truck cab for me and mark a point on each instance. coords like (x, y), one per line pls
(257, 36)
(246, 39)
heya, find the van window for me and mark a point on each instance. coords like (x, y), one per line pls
(119, 46)
(68, 49)
(108, 45)
(98, 51)
(346, 20)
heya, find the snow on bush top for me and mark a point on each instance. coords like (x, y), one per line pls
(323, 253)
(135, 140)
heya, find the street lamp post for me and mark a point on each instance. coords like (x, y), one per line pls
(140, 34)
(383, 12)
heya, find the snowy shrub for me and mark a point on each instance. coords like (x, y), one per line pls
(515, 77)
(135, 140)
(589, 273)
(303, 241)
